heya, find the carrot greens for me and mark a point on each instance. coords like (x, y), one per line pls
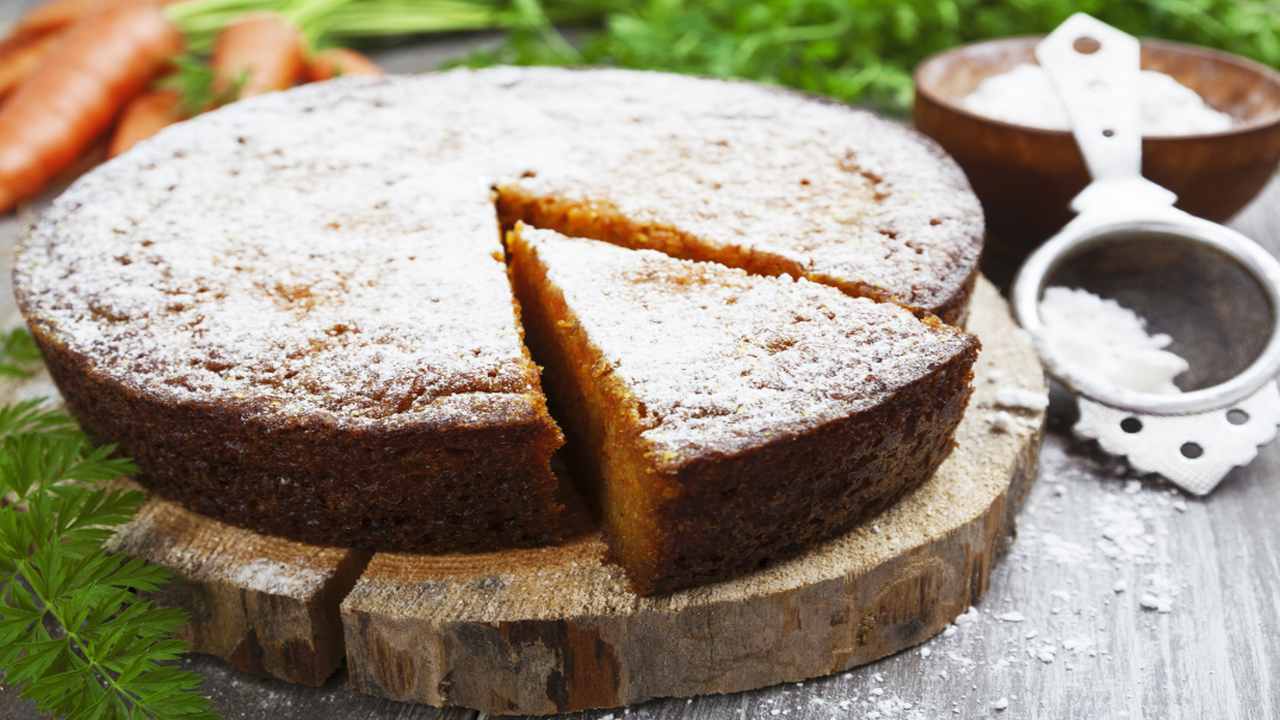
(853, 50)
(75, 635)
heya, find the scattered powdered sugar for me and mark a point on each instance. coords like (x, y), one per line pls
(1061, 550)
(1044, 652)
(1121, 533)
(1017, 398)
(1151, 601)
(1014, 408)
(277, 578)
(1025, 95)
(968, 617)
(1002, 422)
(1159, 593)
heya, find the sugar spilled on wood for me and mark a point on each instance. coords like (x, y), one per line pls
(278, 578)
(1126, 533)
(1013, 406)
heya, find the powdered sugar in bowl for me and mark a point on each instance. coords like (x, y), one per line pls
(1026, 176)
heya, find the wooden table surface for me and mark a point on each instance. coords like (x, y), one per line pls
(1121, 597)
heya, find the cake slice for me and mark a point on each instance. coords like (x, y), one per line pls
(722, 420)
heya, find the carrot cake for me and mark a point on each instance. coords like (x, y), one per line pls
(724, 420)
(293, 312)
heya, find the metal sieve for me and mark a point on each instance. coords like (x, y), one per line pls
(1192, 438)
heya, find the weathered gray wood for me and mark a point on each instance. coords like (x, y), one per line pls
(1216, 654)
(237, 696)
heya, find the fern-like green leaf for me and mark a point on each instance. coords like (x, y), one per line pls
(75, 634)
(19, 355)
(854, 50)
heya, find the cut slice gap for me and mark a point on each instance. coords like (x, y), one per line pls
(602, 221)
(723, 421)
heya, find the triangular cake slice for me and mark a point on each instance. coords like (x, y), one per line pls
(722, 420)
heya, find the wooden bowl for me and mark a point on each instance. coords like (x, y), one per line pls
(1026, 176)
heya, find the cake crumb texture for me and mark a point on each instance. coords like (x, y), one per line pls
(725, 420)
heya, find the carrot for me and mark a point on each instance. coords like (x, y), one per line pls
(261, 53)
(53, 15)
(57, 112)
(143, 117)
(331, 63)
(20, 59)
(27, 43)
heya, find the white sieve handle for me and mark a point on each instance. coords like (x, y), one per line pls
(1095, 69)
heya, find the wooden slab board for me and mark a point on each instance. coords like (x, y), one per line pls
(555, 629)
(266, 605)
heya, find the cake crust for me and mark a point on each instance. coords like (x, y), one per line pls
(407, 487)
(726, 421)
(299, 366)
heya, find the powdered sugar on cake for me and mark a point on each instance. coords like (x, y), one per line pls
(293, 298)
(723, 360)
(261, 255)
(845, 196)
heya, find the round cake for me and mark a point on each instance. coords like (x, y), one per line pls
(294, 312)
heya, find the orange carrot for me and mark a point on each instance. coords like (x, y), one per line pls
(20, 59)
(261, 53)
(334, 62)
(145, 116)
(54, 15)
(22, 50)
(57, 112)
